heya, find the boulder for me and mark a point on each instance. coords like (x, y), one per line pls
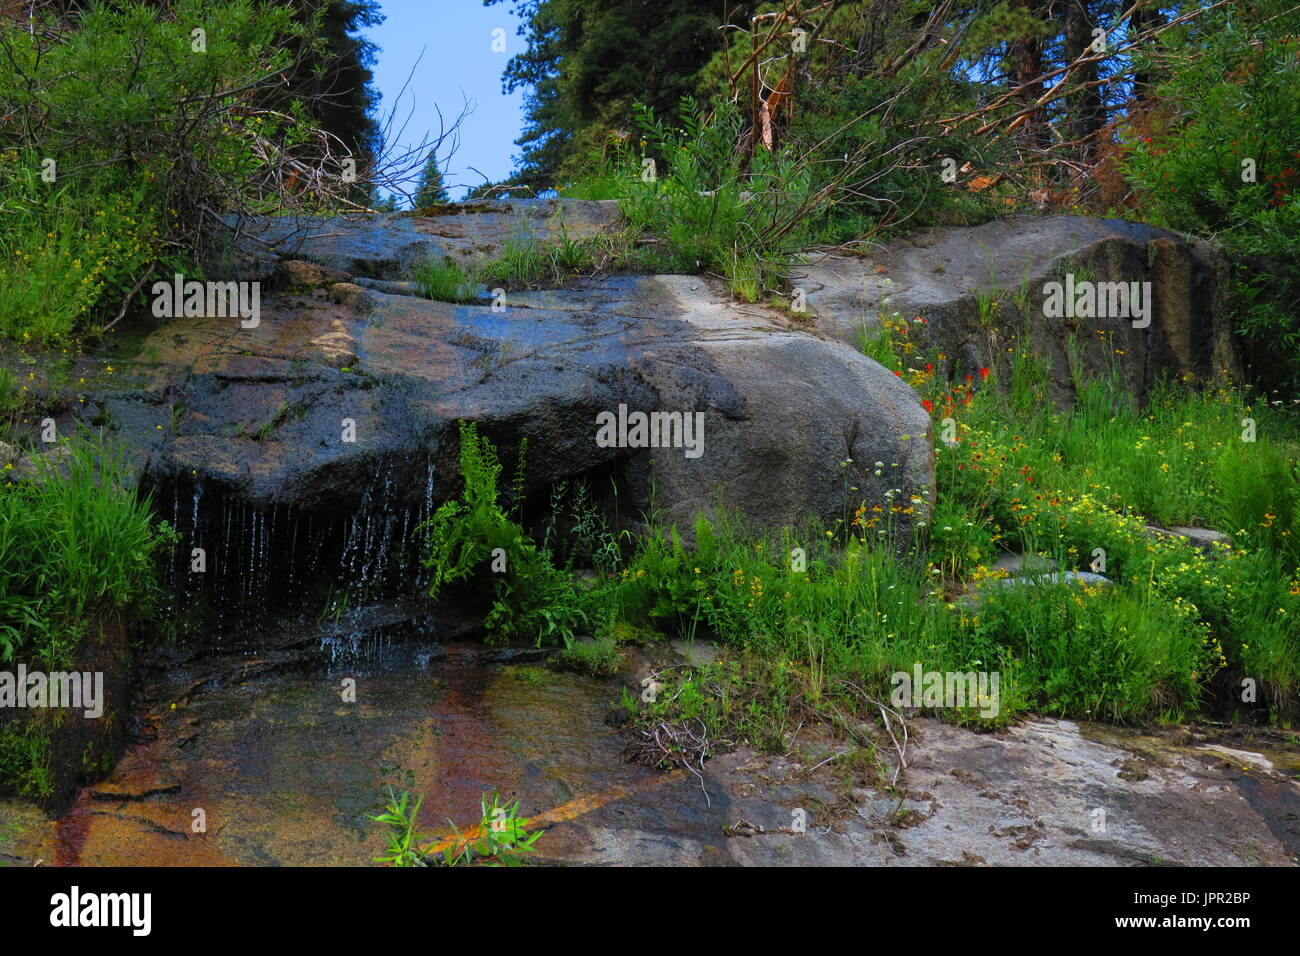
(346, 410)
(295, 275)
(1206, 539)
(941, 274)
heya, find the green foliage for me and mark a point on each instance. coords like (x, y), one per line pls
(714, 213)
(430, 190)
(1064, 485)
(500, 839)
(587, 62)
(526, 263)
(598, 658)
(332, 74)
(463, 533)
(586, 540)
(444, 281)
(528, 596)
(149, 141)
(70, 253)
(523, 263)
(25, 755)
(73, 548)
(1229, 96)
(399, 818)
(889, 158)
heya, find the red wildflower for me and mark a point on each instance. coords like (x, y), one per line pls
(927, 405)
(984, 372)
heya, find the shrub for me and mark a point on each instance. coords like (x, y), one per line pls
(150, 143)
(474, 543)
(71, 549)
(1229, 97)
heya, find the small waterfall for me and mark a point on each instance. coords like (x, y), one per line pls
(265, 561)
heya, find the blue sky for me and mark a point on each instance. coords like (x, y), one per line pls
(458, 64)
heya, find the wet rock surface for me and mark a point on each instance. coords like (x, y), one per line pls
(286, 772)
(312, 406)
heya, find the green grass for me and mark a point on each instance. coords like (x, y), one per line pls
(1084, 484)
(76, 546)
(709, 213)
(444, 281)
(598, 658)
(71, 549)
(1178, 629)
(530, 263)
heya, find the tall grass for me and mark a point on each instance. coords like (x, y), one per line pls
(75, 542)
(813, 618)
(444, 281)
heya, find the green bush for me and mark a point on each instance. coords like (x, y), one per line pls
(1230, 97)
(475, 544)
(70, 253)
(73, 548)
(688, 186)
(149, 142)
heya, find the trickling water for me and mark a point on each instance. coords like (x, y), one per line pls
(352, 642)
(267, 560)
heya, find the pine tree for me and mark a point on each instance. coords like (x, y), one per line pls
(586, 61)
(431, 191)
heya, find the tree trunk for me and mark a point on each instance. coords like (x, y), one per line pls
(1026, 68)
(1085, 106)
